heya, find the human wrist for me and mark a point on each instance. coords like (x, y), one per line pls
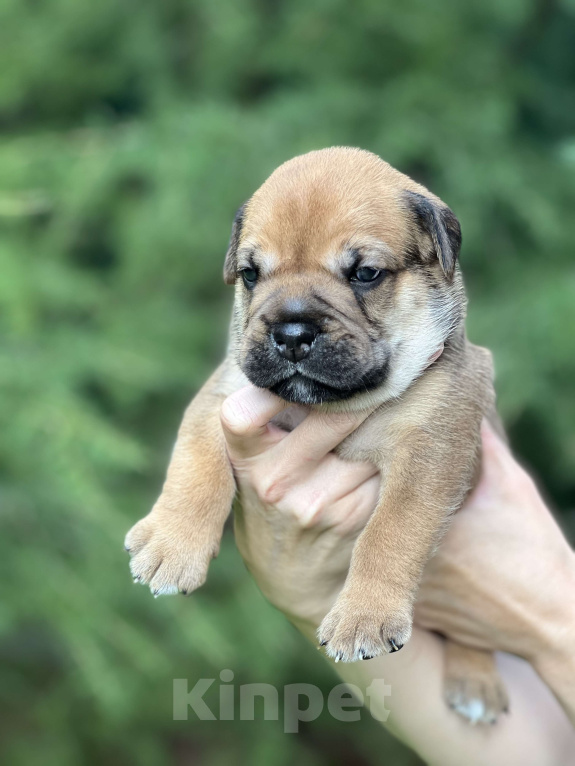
(556, 668)
(556, 658)
(554, 652)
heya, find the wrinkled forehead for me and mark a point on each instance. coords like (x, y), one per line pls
(311, 217)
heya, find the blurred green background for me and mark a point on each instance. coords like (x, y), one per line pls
(129, 134)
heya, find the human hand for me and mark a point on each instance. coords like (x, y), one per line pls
(504, 577)
(303, 510)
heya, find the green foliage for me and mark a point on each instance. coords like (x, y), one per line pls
(129, 134)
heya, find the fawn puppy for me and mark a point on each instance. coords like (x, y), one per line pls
(348, 296)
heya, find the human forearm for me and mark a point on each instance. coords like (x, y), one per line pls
(407, 698)
(555, 660)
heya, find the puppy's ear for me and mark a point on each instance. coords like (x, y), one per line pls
(442, 226)
(231, 255)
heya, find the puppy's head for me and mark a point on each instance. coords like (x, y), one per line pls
(346, 279)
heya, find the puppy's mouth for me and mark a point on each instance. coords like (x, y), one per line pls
(306, 388)
(302, 389)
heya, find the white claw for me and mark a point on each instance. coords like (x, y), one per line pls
(473, 710)
(167, 590)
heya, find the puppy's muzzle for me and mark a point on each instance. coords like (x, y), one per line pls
(294, 340)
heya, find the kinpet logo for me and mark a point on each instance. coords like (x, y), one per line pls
(301, 702)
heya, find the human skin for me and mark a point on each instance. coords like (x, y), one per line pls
(502, 580)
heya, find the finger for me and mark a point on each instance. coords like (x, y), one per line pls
(299, 453)
(352, 511)
(245, 416)
(426, 616)
(450, 622)
(433, 598)
(332, 480)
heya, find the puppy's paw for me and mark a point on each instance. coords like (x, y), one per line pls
(169, 556)
(477, 699)
(356, 629)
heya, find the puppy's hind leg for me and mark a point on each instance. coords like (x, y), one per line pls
(472, 685)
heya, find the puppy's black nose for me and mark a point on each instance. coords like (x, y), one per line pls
(293, 339)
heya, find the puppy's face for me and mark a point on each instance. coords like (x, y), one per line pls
(346, 280)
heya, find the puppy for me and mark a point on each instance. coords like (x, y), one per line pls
(348, 296)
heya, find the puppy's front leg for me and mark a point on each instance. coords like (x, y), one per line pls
(171, 548)
(373, 613)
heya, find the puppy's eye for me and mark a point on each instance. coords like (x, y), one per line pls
(365, 274)
(250, 277)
